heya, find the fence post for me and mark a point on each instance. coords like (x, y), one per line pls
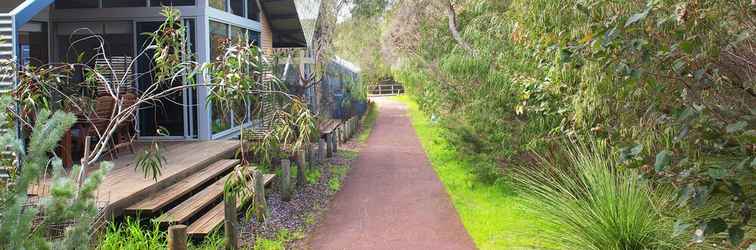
(285, 180)
(231, 221)
(322, 148)
(335, 145)
(260, 204)
(301, 166)
(329, 144)
(177, 237)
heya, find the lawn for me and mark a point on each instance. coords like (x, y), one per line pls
(490, 213)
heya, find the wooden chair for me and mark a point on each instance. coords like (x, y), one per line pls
(125, 136)
(101, 119)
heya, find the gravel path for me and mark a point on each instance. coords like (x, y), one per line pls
(392, 198)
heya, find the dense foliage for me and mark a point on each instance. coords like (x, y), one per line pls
(669, 86)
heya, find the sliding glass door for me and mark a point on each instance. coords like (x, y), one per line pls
(173, 116)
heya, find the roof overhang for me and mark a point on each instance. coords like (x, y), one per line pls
(284, 21)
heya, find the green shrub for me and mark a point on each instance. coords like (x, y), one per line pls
(589, 202)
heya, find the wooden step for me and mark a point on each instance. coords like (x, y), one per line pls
(158, 200)
(214, 218)
(199, 201)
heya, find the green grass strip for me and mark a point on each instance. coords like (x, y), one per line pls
(491, 213)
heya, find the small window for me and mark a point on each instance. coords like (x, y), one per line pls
(218, 4)
(122, 3)
(237, 7)
(158, 3)
(253, 11)
(75, 4)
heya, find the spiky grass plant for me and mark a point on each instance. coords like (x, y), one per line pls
(589, 202)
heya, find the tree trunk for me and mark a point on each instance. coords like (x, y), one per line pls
(455, 32)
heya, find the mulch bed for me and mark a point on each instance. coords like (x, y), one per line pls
(309, 201)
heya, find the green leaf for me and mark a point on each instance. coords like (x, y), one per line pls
(735, 234)
(663, 159)
(714, 226)
(636, 150)
(716, 173)
(679, 228)
(688, 46)
(735, 127)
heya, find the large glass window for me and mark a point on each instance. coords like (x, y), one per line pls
(218, 4)
(157, 3)
(79, 42)
(76, 4)
(218, 39)
(237, 7)
(122, 3)
(253, 11)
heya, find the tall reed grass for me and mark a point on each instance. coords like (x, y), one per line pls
(588, 201)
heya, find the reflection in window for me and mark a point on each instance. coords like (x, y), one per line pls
(237, 7)
(253, 11)
(218, 4)
(238, 34)
(254, 38)
(222, 120)
(79, 42)
(32, 44)
(75, 4)
(158, 3)
(218, 38)
(122, 3)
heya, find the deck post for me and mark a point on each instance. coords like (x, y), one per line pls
(177, 237)
(286, 180)
(231, 221)
(301, 166)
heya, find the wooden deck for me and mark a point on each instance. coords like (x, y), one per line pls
(124, 185)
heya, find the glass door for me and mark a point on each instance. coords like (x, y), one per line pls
(167, 116)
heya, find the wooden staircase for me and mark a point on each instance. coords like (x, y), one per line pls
(196, 201)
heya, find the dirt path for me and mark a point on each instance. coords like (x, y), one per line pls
(392, 198)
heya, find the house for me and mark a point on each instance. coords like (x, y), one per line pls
(44, 31)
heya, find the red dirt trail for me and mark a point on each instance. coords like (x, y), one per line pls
(392, 198)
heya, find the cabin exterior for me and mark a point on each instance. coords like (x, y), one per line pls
(44, 31)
